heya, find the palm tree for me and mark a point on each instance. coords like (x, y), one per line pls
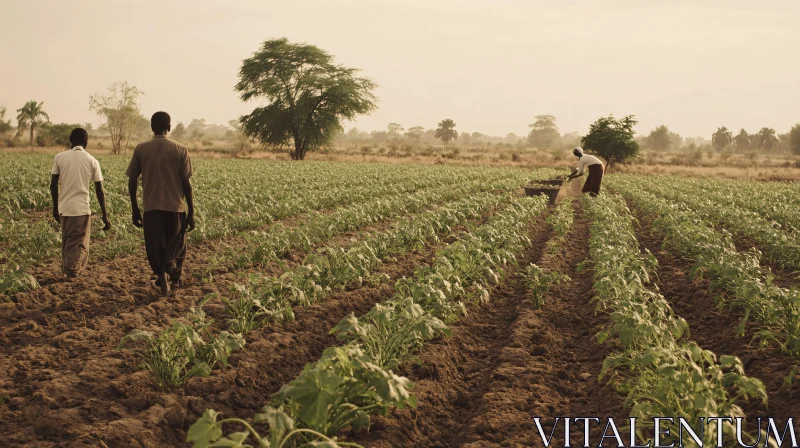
(742, 142)
(767, 139)
(30, 116)
(722, 138)
(446, 132)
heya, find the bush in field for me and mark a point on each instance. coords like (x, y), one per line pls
(612, 139)
(52, 134)
(308, 96)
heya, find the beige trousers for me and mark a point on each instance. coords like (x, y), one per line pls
(75, 231)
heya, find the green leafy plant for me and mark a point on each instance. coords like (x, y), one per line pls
(539, 281)
(182, 351)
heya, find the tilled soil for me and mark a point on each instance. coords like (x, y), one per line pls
(64, 383)
(508, 362)
(713, 328)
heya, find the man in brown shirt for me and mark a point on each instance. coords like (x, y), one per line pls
(165, 169)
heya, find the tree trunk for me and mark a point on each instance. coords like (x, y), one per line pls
(299, 151)
(31, 135)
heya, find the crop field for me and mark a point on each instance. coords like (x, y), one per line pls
(344, 304)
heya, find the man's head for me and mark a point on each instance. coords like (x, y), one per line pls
(160, 123)
(79, 137)
(578, 152)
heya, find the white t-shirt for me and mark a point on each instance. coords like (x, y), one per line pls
(76, 170)
(587, 160)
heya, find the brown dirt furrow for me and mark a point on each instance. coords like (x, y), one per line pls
(507, 363)
(80, 390)
(713, 328)
(120, 293)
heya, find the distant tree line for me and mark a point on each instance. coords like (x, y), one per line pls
(308, 97)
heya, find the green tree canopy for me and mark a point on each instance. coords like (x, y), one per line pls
(659, 138)
(308, 95)
(742, 141)
(446, 131)
(722, 138)
(31, 116)
(544, 132)
(612, 139)
(794, 139)
(766, 139)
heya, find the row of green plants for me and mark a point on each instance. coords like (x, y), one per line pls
(268, 299)
(737, 277)
(350, 383)
(660, 370)
(330, 269)
(779, 246)
(235, 197)
(778, 202)
(278, 241)
(560, 221)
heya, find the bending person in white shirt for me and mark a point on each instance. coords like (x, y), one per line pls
(74, 170)
(595, 168)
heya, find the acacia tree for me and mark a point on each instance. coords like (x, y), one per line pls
(31, 116)
(722, 138)
(544, 132)
(767, 139)
(742, 141)
(395, 128)
(308, 95)
(119, 105)
(446, 131)
(415, 132)
(612, 139)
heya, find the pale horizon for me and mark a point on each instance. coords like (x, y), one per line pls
(489, 66)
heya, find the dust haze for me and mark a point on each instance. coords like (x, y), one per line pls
(490, 66)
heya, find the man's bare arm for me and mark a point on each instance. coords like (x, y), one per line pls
(133, 185)
(101, 199)
(54, 195)
(187, 191)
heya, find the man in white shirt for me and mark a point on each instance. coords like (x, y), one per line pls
(595, 168)
(74, 170)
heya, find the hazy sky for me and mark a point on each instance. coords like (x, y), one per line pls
(490, 65)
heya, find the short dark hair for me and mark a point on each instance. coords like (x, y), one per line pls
(160, 122)
(79, 137)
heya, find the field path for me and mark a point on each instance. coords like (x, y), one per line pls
(508, 362)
